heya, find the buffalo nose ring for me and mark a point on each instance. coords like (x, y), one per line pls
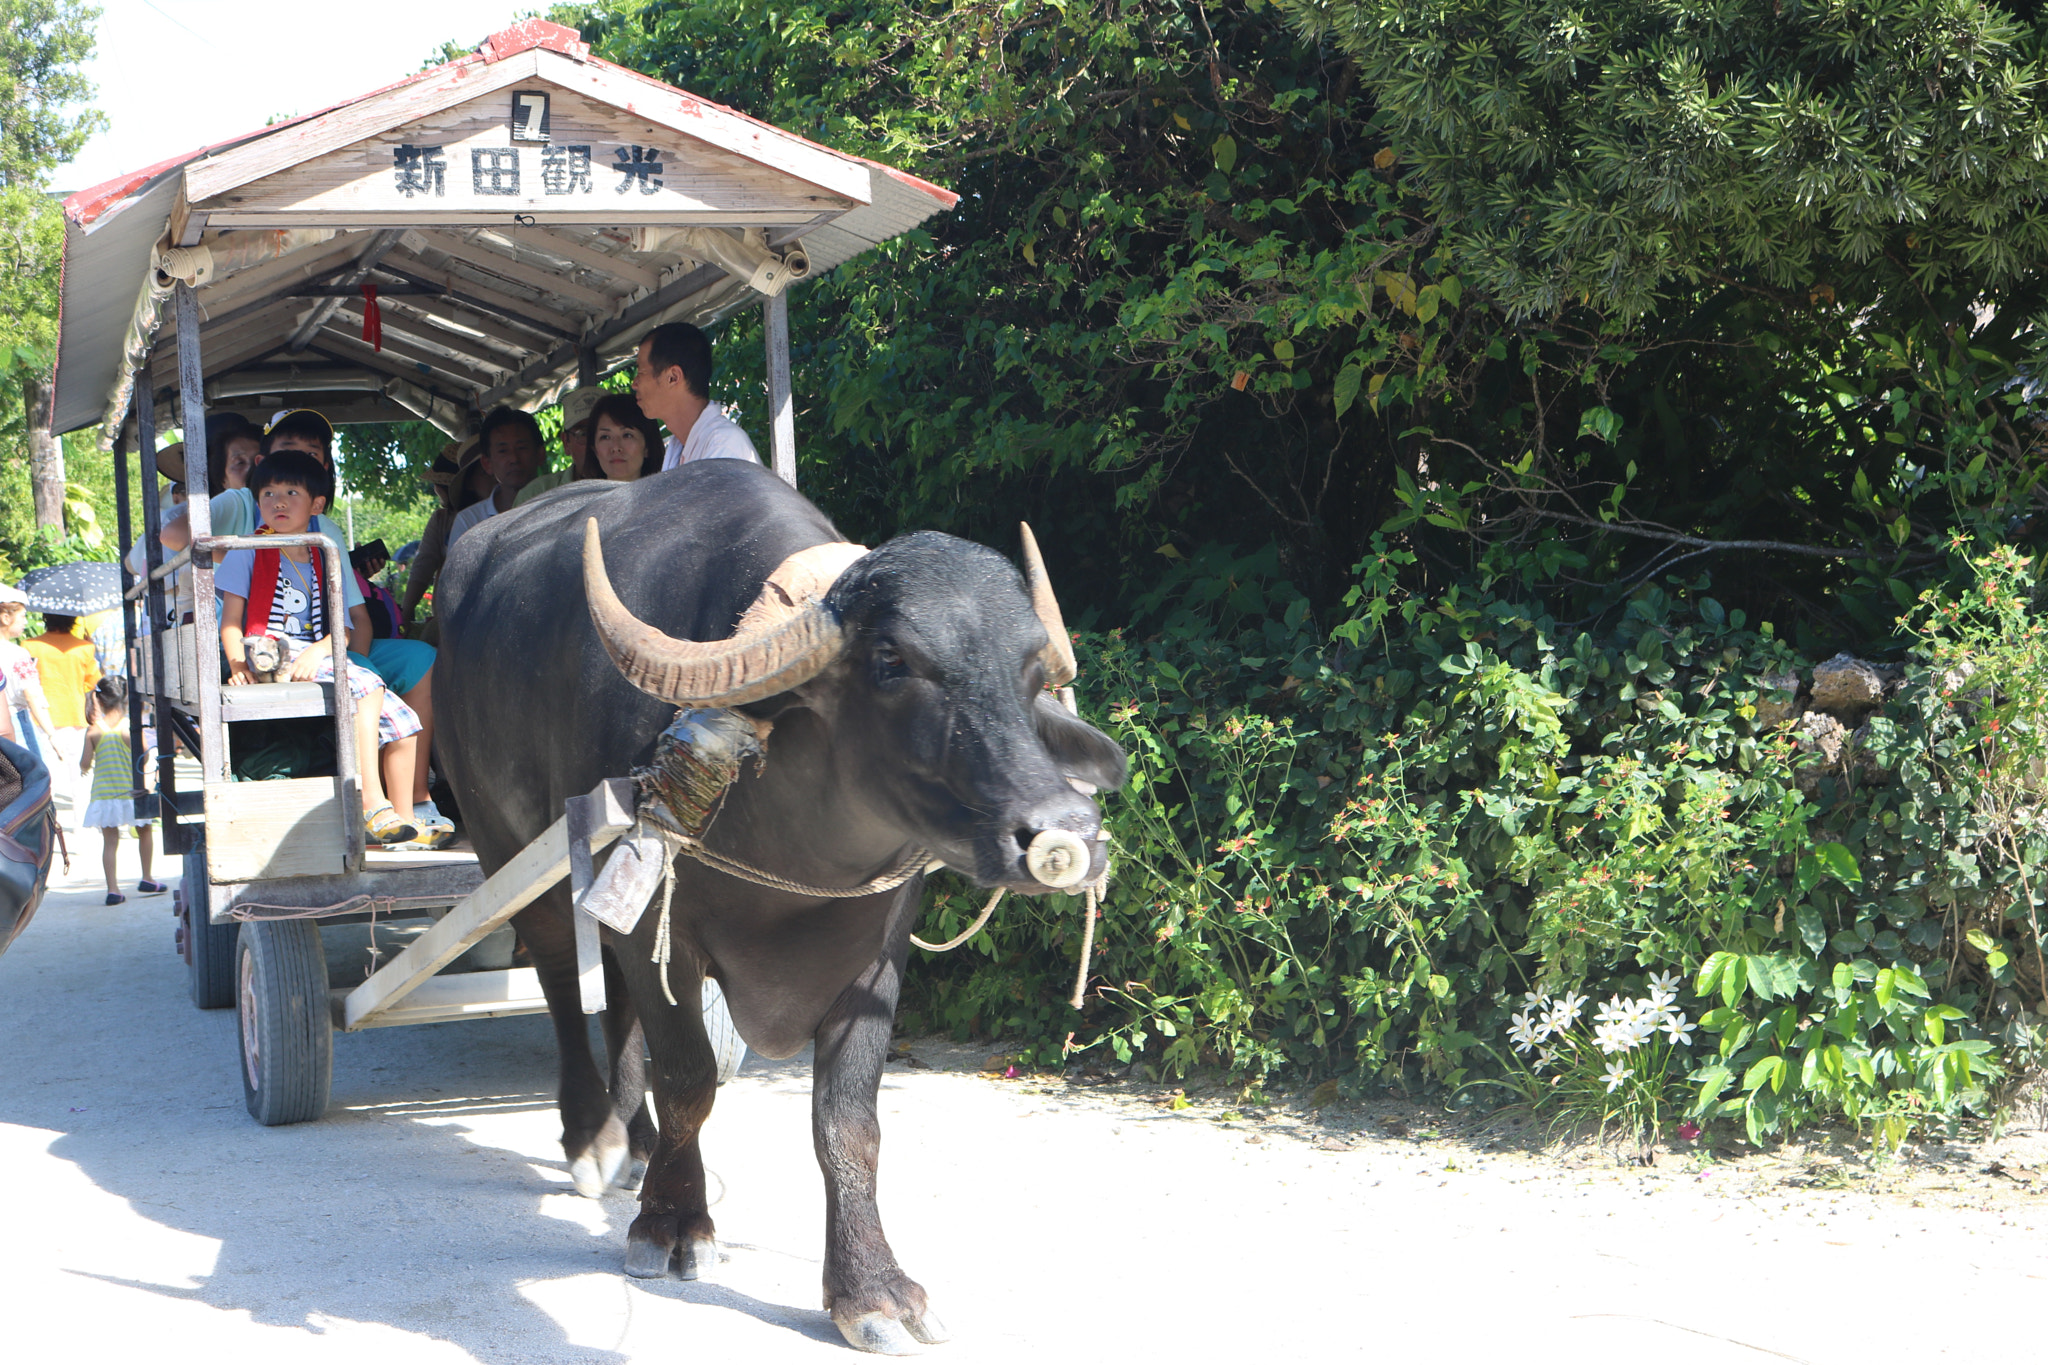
(1058, 858)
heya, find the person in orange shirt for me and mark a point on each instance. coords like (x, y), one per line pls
(69, 671)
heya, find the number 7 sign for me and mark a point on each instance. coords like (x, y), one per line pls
(530, 116)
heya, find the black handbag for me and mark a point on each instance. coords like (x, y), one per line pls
(28, 838)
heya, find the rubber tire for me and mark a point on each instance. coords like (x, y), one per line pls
(281, 1008)
(210, 947)
(723, 1033)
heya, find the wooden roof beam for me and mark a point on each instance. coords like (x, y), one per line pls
(407, 328)
(272, 277)
(635, 315)
(445, 316)
(259, 330)
(470, 373)
(345, 351)
(530, 313)
(597, 302)
(372, 253)
(563, 247)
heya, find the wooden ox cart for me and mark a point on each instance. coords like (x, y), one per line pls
(494, 230)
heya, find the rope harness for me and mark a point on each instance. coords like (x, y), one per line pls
(696, 761)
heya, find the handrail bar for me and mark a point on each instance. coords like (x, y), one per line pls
(165, 570)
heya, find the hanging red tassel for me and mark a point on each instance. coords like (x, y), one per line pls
(373, 317)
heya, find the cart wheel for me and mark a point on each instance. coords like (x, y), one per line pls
(723, 1033)
(209, 948)
(286, 1034)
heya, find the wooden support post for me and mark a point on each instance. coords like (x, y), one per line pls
(586, 367)
(504, 894)
(781, 412)
(582, 816)
(213, 741)
(175, 838)
(138, 760)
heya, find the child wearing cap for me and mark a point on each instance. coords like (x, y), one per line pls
(233, 511)
(282, 593)
(404, 666)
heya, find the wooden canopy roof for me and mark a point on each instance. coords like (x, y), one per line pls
(521, 215)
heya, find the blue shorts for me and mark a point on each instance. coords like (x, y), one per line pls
(400, 663)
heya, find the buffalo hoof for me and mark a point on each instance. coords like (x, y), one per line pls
(929, 1330)
(877, 1333)
(647, 1261)
(597, 1170)
(696, 1258)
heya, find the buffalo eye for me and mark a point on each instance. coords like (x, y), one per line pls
(888, 662)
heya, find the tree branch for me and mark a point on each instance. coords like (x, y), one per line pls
(1777, 546)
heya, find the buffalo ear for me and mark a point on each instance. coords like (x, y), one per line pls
(1080, 750)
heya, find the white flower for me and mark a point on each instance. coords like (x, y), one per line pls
(1663, 999)
(1666, 983)
(1676, 1027)
(1616, 1074)
(1542, 1059)
(1522, 1033)
(1558, 1021)
(1614, 1036)
(1534, 1001)
(1613, 1011)
(1568, 1006)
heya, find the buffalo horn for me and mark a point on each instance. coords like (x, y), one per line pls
(706, 673)
(1058, 654)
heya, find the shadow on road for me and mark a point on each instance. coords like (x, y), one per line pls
(424, 1200)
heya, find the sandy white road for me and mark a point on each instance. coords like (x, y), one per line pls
(428, 1217)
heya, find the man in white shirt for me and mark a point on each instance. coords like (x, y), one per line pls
(673, 384)
(512, 452)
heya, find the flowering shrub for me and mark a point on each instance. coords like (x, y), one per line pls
(1618, 1073)
(1349, 854)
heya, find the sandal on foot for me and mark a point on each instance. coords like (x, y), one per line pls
(116, 898)
(150, 888)
(384, 826)
(436, 829)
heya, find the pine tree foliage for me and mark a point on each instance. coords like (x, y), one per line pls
(1607, 152)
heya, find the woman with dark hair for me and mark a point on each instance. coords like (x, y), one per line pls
(625, 441)
(233, 446)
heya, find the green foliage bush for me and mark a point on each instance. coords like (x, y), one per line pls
(1350, 853)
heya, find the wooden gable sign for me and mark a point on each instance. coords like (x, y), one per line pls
(536, 138)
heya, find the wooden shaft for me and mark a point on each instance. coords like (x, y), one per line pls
(582, 816)
(781, 411)
(213, 739)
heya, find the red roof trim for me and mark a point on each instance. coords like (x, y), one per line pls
(85, 207)
(528, 34)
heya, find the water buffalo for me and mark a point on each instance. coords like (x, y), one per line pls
(909, 713)
(28, 838)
